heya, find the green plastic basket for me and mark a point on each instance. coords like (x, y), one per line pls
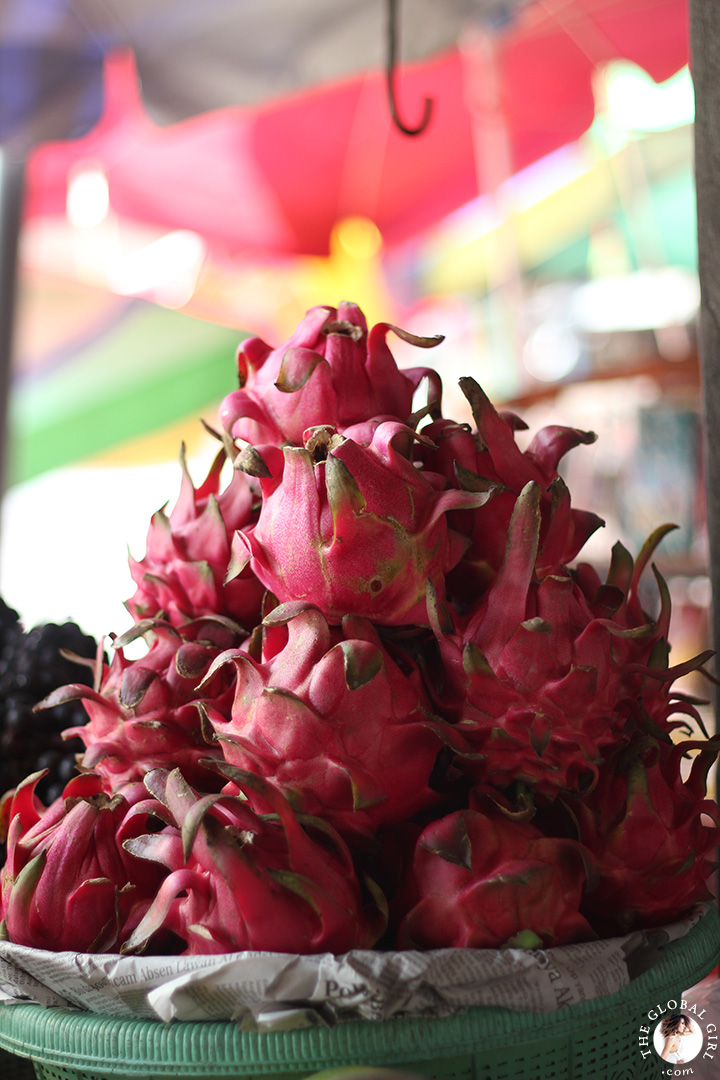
(597, 1040)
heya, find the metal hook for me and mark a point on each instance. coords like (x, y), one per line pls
(391, 67)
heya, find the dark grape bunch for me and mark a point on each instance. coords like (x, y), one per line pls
(31, 666)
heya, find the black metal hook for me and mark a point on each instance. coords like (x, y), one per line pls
(391, 68)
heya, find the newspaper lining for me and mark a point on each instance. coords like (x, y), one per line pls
(274, 991)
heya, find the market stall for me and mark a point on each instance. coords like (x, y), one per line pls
(383, 771)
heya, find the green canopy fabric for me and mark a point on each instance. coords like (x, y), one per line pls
(155, 367)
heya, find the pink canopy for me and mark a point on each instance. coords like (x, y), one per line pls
(278, 177)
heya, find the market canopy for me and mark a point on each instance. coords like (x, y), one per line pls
(503, 93)
(195, 57)
(143, 369)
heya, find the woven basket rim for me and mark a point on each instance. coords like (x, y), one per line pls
(98, 1043)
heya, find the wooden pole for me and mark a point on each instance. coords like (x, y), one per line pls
(11, 196)
(705, 62)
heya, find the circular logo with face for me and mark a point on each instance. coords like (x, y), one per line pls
(678, 1038)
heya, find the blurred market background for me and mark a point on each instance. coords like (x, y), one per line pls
(544, 222)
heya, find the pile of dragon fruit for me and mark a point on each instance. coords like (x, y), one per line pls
(377, 707)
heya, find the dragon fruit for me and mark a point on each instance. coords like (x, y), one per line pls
(489, 460)
(542, 682)
(652, 832)
(483, 881)
(355, 530)
(323, 716)
(182, 576)
(379, 706)
(242, 880)
(143, 712)
(67, 883)
(330, 372)
(642, 657)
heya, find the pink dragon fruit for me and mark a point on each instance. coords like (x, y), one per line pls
(483, 882)
(489, 460)
(355, 530)
(542, 683)
(143, 713)
(239, 879)
(652, 832)
(642, 660)
(331, 371)
(182, 576)
(333, 721)
(67, 883)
